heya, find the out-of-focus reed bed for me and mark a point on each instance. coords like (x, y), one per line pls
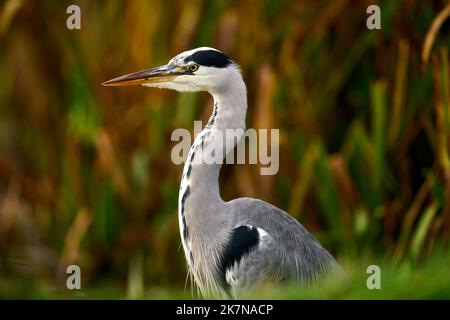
(85, 171)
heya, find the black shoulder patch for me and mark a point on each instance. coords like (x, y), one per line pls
(243, 240)
(209, 58)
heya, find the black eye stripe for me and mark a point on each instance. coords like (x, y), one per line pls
(209, 58)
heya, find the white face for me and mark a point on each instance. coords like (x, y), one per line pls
(204, 79)
(200, 77)
(201, 69)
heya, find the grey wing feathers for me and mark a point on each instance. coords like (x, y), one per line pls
(244, 240)
(289, 250)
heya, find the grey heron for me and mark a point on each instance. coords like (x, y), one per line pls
(235, 245)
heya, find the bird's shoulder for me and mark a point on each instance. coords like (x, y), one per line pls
(243, 257)
(278, 224)
(243, 239)
(261, 214)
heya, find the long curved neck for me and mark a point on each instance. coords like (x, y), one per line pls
(210, 146)
(199, 197)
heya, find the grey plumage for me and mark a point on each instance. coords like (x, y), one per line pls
(289, 253)
(236, 245)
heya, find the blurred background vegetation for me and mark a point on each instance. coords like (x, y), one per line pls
(85, 171)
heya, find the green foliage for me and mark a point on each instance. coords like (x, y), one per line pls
(85, 171)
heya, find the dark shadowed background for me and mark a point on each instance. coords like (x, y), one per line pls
(85, 171)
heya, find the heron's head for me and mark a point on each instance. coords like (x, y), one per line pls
(200, 69)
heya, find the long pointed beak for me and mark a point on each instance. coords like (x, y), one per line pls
(160, 74)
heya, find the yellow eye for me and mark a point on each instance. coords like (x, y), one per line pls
(193, 67)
